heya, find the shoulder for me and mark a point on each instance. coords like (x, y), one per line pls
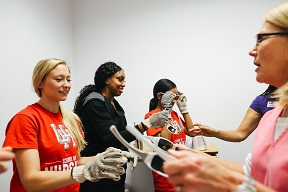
(151, 113)
(27, 117)
(262, 99)
(29, 111)
(93, 96)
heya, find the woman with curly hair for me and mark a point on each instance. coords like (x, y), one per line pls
(99, 110)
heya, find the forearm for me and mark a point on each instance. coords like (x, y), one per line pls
(229, 135)
(165, 133)
(47, 180)
(260, 187)
(141, 127)
(246, 127)
(188, 121)
(84, 160)
(235, 166)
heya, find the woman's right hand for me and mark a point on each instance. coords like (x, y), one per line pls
(205, 130)
(196, 171)
(6, 154)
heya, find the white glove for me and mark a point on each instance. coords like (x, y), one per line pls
(107, 164)
(157, 119)
(167, 100)
(181, 103)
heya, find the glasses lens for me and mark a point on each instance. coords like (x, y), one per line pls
(157, 163)
(175, 128)
(259, 38)
(165, 145)
(172, 129)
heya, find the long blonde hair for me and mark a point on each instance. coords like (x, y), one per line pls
(70, 120)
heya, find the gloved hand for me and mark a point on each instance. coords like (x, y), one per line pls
(157, 119)
(181, 103)
(167, 100)
(107, 164)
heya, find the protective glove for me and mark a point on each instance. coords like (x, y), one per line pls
(167, 100)
(181, 103)
(107, 164)
(157, 119)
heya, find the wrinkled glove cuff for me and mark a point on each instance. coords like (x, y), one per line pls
(184, 111)
(146, 124)
(77, 174)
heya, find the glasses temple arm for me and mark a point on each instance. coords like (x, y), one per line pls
(115, 132)
(165, 156)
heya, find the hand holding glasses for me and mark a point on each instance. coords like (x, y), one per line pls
(154, 160)
(167, 100)
(182, 103)
(162, 143)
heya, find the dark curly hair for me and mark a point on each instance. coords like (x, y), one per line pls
(162, 85)
(105, 71)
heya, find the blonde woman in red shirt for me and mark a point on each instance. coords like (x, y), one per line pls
(47, 139)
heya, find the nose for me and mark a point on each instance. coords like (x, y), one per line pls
(67, 83)
(253, 51)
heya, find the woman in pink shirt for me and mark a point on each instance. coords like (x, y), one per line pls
(266, 168)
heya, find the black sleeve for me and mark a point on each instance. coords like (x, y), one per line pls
(101, 120)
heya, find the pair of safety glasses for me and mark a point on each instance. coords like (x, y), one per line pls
(153, 160)
(162, 143)
(176, 97)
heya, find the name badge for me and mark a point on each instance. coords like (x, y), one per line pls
(271, 104)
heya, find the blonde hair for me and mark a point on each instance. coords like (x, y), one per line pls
(278, 16)
(281, 94)
(70, 119)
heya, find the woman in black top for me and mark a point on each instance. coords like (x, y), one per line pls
(98, 110)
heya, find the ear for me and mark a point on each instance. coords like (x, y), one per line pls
(107, 81)
(40, 86)
(159, 96)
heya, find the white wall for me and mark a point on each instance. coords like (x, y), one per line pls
(201, 45)
(31, 30)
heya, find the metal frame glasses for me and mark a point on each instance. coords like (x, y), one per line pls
(260, 36)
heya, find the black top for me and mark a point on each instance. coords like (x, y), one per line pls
(97, 115)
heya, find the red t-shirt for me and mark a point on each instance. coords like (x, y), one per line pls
(36, 128)
(161, 183)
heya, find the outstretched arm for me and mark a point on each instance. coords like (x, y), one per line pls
(247, 126)
(107, 164)
(197, 172)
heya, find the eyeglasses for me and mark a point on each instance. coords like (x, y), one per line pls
(162, 143)
(154, 160)
(176, 97)
(260, 36)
